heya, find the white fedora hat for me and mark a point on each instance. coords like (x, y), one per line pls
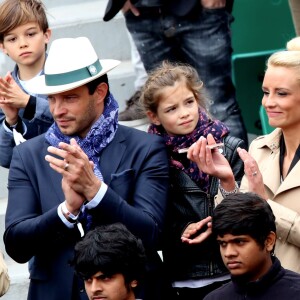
(71, 62)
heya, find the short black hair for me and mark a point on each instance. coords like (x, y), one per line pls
(244, 213)
(110, 249)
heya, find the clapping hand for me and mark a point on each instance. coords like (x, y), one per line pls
(254, 176)
(76, 168)
(11, 92)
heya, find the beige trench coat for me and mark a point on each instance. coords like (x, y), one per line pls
(284, 198)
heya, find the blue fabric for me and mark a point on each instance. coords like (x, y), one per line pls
(202, 41)
(85, 219)
(100, 135)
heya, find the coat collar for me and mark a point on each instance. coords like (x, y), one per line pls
(271, 143)
(272, 140)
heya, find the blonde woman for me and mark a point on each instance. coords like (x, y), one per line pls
(272, 166)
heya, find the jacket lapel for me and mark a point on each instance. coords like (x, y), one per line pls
(272, 174)
(55, 178)
(111, 156)
(270, 167)
(292, 180)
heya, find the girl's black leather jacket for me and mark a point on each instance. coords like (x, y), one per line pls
(189, 204)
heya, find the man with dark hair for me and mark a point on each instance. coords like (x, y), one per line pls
(244, 226)
(111, 261)
(86, 171)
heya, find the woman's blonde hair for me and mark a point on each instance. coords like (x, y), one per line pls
(166, 75)
(289, 58)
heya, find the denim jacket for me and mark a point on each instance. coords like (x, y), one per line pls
(36, 119)
(189, 204)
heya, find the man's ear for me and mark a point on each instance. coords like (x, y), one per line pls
(270, 241)
(101, 91)
(153, 118)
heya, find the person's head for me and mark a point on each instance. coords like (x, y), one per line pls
(244, 226)
(111, 261)
(76, 83)
(281, 87)
(171, 97)
(24, 30)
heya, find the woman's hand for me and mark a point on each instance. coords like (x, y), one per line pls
(254, 176)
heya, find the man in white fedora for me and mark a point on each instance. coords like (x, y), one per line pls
(85, 171)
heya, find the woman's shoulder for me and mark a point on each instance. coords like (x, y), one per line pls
(271, 141)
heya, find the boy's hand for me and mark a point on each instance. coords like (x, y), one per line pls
(11, 93)
(11, 113)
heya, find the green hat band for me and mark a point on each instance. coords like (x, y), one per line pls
(73, 76)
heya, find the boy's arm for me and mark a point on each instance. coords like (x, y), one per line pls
(37, 108)
(6, 143)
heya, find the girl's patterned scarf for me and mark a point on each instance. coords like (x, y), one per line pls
(99, 136)
(204, 126)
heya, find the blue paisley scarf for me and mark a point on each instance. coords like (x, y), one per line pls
(99, 136)
(179, 161)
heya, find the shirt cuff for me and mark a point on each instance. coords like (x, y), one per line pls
(21, 127)
(99, 196)
(91, 204)
(63, 218)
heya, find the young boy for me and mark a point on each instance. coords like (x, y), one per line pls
(111, 261)
(24, 35)
(244, 225)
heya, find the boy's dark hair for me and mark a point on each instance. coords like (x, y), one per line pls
(110, 249)
(244, 214)
(14, 13)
